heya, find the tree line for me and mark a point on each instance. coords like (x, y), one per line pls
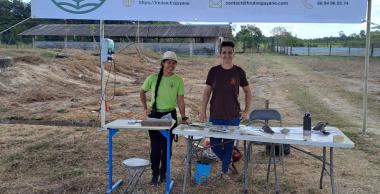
(251, 37)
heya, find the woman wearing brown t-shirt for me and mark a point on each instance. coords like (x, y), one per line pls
(223, 82)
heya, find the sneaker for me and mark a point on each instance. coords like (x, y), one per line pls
(162, 178)
(225, 177)
(154, 181)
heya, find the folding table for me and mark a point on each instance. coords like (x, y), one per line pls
(294, 137)
(129, 124)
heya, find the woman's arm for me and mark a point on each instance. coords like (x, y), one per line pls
(181, 107)
(143, 102)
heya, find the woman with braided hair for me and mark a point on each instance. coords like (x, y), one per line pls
(167, 90)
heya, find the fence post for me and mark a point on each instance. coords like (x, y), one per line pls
(191, 49)
(330, 50)
(277, 47)
(349, 51)
(371, 50)
(265, 48)
(65, 42)
(291, 51)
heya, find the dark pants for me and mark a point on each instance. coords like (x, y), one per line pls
(158, 145)
(223, 147)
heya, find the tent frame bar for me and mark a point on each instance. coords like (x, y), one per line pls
(366, 69)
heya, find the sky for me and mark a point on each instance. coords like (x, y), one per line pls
(307, 30)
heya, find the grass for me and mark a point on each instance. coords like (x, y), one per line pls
(356, 98)
(62, 110)
(319, 111)
(48, 54)
(333, 57)
(12, 159)
(16, 46)
(252, 65)
(67, 173)
(367, 144)
(150, 53)
(3, 109)
(340, 58)
(38, 146)
(196, 59)
(288, 187)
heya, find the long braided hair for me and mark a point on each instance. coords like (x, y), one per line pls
(160, 74)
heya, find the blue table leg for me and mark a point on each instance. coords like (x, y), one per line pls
(169, 182)
(111, 186)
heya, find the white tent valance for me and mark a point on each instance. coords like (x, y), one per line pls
(292, 11)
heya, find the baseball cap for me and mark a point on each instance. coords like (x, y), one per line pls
(169, 55)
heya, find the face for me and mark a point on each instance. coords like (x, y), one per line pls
(169, 66)
(227, 54)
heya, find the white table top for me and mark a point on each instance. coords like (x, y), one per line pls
(294, 137)
(131, 124)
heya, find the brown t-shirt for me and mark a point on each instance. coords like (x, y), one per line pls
(225, 84)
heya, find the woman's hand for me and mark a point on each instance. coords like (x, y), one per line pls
(147, 112)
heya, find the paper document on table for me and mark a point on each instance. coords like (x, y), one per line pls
(198, 125)
(222, 128)
(134, 122)
(250, 131)
(322, 138)
(192, 127)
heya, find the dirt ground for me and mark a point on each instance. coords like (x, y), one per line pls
(52, 159)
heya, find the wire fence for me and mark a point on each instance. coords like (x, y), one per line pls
(180, 48)
(327, 51)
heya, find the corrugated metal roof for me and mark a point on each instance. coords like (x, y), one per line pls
(184, 31)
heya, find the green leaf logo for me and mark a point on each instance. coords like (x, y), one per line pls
(78, 6)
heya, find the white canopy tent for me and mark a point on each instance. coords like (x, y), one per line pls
(290, 11)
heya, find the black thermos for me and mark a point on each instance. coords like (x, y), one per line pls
(307, 124)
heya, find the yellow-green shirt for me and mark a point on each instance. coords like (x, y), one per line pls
(170, 88)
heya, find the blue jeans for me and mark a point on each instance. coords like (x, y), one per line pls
(223, 147)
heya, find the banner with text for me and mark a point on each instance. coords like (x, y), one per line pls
(292, 11)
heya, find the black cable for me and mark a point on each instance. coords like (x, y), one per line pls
(113, 64)
(103, 97)
(105, 88)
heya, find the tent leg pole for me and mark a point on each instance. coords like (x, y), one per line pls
(102, 77)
